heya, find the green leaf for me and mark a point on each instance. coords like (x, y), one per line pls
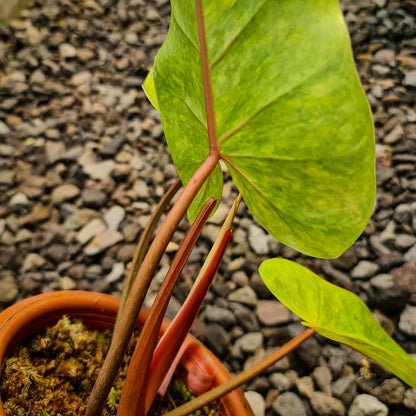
(336, 314)
(293, 123)
(149, 89)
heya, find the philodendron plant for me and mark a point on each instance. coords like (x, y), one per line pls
(269, 89)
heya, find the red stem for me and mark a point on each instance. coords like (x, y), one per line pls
(132, 397)
(122, 333)
(171, 341)
(138, 291)
(206, 80)
(245, 376)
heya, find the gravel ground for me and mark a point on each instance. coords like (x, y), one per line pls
(83, 161)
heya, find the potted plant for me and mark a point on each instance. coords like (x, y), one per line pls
(269, 89)
(98, 311)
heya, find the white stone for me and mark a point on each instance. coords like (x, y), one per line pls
(114, 216)
(90, 230)
(366, 405)
(256, 402)
(116, 272)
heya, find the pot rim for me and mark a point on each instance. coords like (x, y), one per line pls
(30, 315)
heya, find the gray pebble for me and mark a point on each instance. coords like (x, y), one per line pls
(345, 388)
(289, 403)
(364, 269)
(220, 316)
(324, 405)
(323, 377)
(407, 321)
(248, 343)
(366, 405)
(93, 198)
(258, 241)
(244, 295)
(281, 382)
(103, 241)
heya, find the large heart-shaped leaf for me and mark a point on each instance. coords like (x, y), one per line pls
(336, 314)
(293, 124)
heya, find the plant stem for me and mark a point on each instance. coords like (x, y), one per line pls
(171, 341)
(182, 316)
(139, 288)
(144, 242)
(227, 225)
(241, 378)
(136, 383)
(206, 80)
(122, 333)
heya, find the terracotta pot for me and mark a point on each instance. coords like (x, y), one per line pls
(98, 311)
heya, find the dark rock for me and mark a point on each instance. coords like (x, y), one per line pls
(57, 253)
(93, 198)
(10, 257)
(306, 356)
(388, 296)
(337, 359)
(405, 277)
(111, 147)
(217, 338)
(262, 291)
(77, 271)
(245, 317)
(390, 391)
(345, 388)
(389, 260)
(221, 316)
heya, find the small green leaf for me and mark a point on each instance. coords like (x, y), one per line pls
(149, 89)
(336, 314)
(294, 127)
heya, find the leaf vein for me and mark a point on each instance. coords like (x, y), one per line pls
(288, 158)
(255, 113)
(282, 214)
(227, 47)
(184, 33)
(193, 113)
